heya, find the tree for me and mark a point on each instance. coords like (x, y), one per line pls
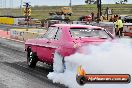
(121, 2)
(90, 1)
(95, 2)
(125, 0)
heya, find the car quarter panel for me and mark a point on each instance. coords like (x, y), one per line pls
(31, 44)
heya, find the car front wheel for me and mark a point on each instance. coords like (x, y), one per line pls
(31, 59)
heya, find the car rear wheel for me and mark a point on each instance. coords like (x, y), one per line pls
(58, 63)
(31, 59)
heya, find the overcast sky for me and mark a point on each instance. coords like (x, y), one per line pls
(65, 2)
(17, 3)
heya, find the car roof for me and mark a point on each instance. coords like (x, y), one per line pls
(75, 25)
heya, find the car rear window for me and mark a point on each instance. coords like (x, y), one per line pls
(89, 32)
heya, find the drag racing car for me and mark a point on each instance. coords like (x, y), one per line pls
(63, 40)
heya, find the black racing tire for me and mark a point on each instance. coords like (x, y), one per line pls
(31, 59)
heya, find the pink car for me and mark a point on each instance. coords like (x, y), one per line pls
(63, 40)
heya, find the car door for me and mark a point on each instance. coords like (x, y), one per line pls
(43, 45)
(54, 44)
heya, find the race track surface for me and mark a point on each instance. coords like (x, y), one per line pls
(14, 72)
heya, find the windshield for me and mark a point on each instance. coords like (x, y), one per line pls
(92, 33)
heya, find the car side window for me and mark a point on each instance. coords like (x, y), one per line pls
(50, 33)
(46, 34)
(58, 34)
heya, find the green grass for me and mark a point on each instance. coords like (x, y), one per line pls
(41, 12)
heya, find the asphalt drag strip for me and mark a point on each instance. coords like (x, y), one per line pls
(14, 72)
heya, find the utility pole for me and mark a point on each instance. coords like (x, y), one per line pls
(99, 8)
(1, 7)
(11, 7)
(70, 4)
(21, 7)
(4, 5)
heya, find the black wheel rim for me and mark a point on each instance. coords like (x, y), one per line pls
(30, 58)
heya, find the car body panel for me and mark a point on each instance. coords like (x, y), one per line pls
(60, 40)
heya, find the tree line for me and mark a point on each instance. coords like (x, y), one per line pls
(116, 1)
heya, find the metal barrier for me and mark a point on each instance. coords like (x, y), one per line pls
(24, 34)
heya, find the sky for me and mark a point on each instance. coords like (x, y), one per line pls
(17, 3)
